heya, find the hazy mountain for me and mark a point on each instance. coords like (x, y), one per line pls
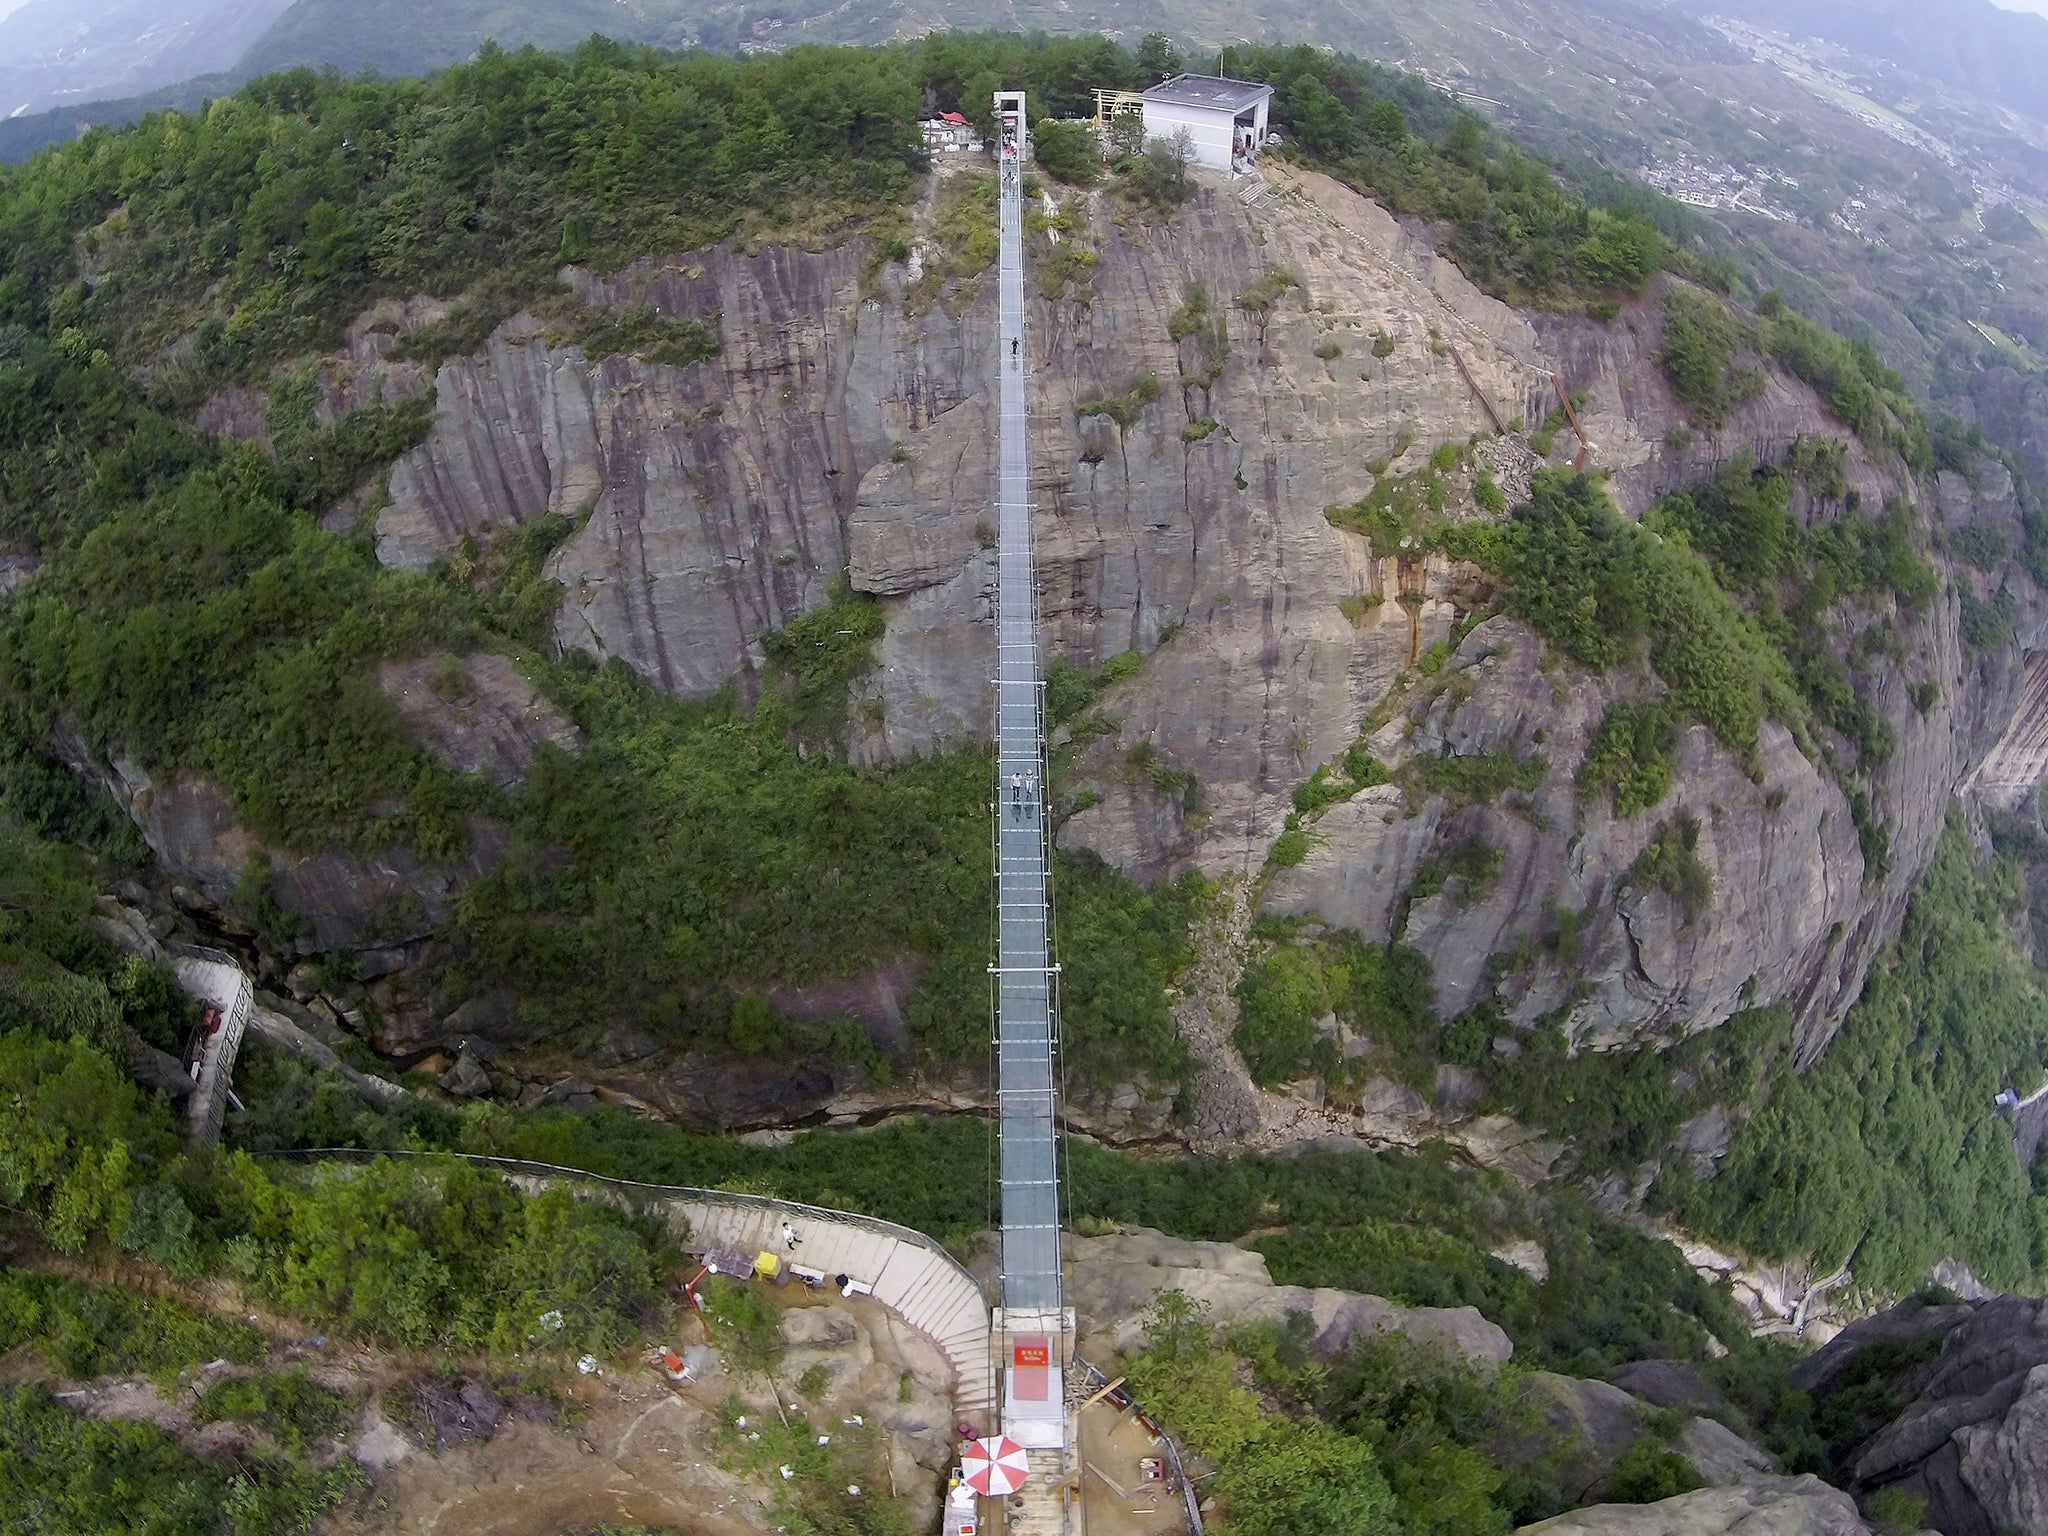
(398, 37)
(1970, 47)
(57, 51)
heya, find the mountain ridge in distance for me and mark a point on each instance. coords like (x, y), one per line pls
(60, 53)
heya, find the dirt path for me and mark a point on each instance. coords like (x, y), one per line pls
(639, 1458)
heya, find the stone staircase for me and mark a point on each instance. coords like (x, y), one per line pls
(1258, 194)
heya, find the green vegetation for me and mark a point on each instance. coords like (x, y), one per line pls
(1864, 394)
(1122, 406)
(1701, 340)
(818, 1478)
(1067, 152)
(1649, 1472)
(1729, 599)
(1120, 948)
(1210, 332)
(1466, 869)
(1380, 992)
(746, 1321)
(1614, 1294)
(643, 332)
(1275, 1476)
(964, 236)
(278, 214)
(1477, 778)
(1259, 299)
(63, 1474)
(83, 1331)
(1402, 514)
(1071, 691)
(1630, 756)
(1888, 1147)
(1622, 1107)
(1671, 863)
(1462, 1450)
(1597, 586)
(416, 1253)
(289, 1406)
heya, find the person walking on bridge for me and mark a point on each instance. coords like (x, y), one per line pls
(1017, 795)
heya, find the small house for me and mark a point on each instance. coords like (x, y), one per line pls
(1225, 119)
(949, 132)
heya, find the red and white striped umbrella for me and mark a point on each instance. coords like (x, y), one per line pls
(995, 1466)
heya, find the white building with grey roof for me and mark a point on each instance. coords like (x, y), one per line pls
(1224, 119)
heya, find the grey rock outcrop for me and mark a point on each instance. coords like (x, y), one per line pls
(345, 899)
(712, 500)
(1766, 1506)
(1788, 871)
(838, 430)
(1669, 1384)
(1112, 1282)
(477, 713)
(1595, 1423)
(1969, 1441)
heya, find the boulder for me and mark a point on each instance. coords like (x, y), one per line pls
(1722, 1458)
(1764, 1506)
(1669, 1384)
(1970, 1438)
(1112, 1280)
(1908, 1323)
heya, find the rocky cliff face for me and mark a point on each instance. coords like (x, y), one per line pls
(846, 429)
(1961, 1394)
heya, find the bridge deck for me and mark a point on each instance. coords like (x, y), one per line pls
(1026, 987)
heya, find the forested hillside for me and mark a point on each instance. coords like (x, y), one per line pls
(191, 611)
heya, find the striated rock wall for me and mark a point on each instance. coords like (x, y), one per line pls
(713, 500)
(840, 431)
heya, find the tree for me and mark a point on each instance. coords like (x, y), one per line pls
(1319, 119)
(1127, 135)
(1158, 58)
(70, 1129)
(1160, 177)
(1067, 151)
(1384, 123)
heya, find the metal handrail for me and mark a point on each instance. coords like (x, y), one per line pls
(672, 1191)
(1190, 1504)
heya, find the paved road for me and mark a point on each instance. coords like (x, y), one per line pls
(1025, 997)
